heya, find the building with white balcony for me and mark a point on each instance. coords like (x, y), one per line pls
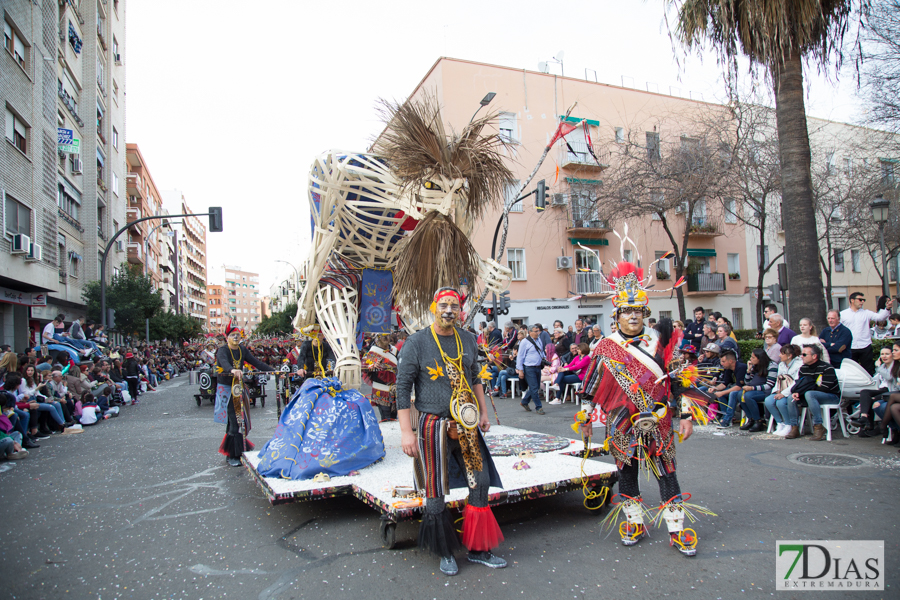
(190, 266)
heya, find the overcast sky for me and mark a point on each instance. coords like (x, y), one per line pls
(231, 101)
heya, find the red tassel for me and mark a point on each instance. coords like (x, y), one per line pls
(481, 532)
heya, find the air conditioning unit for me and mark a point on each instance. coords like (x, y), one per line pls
(34, 252)
(21, 244)
(120, 246)
(77, 166)
(564, 262)
(558, 200)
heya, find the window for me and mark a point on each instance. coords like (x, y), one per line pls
(854, 261)
(16, 132)
(515, 258)
(887, 172)
(663, 270)
(14, 43)
(737, 318)
(73, 265)
(839, 260)
(61, 254)
(762, 256)
(829, 163)
(620, 135)
(730, 211)
(17, 217)
(848, 166)
(508, 127)
(115, 184)
(586, 261)
(509, 196)
(658, 199)
(653, 152)
(629, 255)
(68, 202)
(734, 266)
(665, 314)
(115, 138)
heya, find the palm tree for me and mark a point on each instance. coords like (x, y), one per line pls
(779, 35)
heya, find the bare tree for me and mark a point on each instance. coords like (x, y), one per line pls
(674, 179)
(880, 75)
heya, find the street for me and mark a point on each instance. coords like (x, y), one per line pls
(142, 506)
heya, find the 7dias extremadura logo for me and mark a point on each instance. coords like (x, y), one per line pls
(829, 565)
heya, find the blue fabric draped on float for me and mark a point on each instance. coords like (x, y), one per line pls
(323, 429)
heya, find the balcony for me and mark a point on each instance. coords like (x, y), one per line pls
(135, 255)
(576, 154)
(586, 284)
(588, 228)
(705, 227)
(133, 184)
(705, 283)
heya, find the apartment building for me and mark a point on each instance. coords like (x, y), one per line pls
(63, 163)
(242, 297)
(553, 276)
(215, 296)
(144, 244)
(190, 257)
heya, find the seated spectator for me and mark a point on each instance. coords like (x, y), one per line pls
(761, 376)
(549, 373)
(710, 356)
(780, 404)
(734, 373)
(723, 321)
(809, 337)
(28, 393)
(567, 357)
(724, 339)
(709, 334)
(11, 449)
(510, 372)
(689, 354)
(9, 363)
(19, 414)
(785, 335)
(895, 324)
(887, 381)
(818, 385)
(882, 331)
(771, 345)
(598, 335)
(573, 372)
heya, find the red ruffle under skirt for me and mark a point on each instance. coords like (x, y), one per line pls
(481, 532)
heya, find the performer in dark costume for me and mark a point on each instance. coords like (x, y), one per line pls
(380, 372)
(316, 356)
(230, 393)
(632, 375)
(440, 362)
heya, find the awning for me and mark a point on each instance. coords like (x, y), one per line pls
(701, 252)
(576, 121)
(589, 242)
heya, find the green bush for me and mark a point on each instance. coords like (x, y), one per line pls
(747, 347)
(745, 334)
(877, 345)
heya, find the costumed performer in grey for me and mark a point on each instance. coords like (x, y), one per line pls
(232, 403)
(449, 451)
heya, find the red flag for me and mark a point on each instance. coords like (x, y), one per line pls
(562, 131)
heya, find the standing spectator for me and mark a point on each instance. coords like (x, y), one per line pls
(895, 324)
(598, 335)
(836, 339)
(132, 375)
(771, 345)
(494, 337)
(809, 337)
(768, 311)
(734, 373)
(724, 321)
(528, 366)
(545, 337)
(709, 334)
(580, 334)
(785, 334)
(857, 320)
(818, 385)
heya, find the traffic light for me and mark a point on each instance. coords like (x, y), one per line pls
(488, 313)
(215, 219)
(503, 306)
(110, 318)
(540, 202)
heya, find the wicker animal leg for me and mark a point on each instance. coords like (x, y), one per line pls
(338, 315)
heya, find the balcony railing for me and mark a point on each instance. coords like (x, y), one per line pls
(705, 226)
(577, 153)
(706, 282)
(583, 284)
(70, 103)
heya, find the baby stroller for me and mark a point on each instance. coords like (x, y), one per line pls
(853, 379)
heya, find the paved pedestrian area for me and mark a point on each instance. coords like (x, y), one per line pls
(142, 506)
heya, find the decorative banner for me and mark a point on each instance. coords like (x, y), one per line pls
(375, 302)
(23, 298)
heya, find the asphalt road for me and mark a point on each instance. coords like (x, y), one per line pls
(142, 506)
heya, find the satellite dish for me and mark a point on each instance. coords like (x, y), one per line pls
(542, 67)
(559, 56)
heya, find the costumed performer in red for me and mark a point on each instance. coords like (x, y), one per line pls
(440, 363)
(232, 403)
(631, 379)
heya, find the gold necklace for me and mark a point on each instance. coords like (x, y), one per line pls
(446, 358)
(236, 361)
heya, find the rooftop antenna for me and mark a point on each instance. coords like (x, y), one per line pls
(544, 66)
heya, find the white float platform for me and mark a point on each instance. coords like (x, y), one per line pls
(550, 473)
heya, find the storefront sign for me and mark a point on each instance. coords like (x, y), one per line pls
(555, 307)
(23, 298)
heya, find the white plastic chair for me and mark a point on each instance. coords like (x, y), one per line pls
(574, 387)
(511, 382)
(826, 414)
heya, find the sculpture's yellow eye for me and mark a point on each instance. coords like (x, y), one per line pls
(429, 185)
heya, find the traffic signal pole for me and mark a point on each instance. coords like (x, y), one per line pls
(214, 213)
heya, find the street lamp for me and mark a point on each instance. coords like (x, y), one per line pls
(484, 102)
(296, 275)
(880, 212)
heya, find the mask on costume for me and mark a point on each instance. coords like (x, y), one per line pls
(446, 306)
